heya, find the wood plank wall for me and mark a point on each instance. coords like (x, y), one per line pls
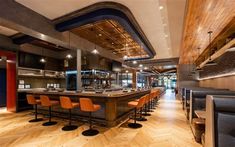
(220, 83)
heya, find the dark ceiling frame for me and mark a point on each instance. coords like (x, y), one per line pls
(106, 10)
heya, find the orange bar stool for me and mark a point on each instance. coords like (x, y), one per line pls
(46, 102)
(87, 105)
(142, 118)
(32, 101)
(66, 103)
(137, 105)
(151, 102)
(146, 105)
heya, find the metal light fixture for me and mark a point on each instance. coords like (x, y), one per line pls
(69, 56)
(95, 51)
(134, 62)
(125, 57)
(43, 60)
(210, 62)
(199, 68)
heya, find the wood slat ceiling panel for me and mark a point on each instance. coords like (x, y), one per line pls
(203, 16)
(113, 37)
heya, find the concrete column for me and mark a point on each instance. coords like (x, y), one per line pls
(79, 76)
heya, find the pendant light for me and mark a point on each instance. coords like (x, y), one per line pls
(210, 62)
(125, 57)
(95, 51)
(43, 60)
(199, 68)
(193, 69)
(69, 56)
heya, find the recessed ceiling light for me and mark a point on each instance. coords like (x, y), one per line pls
(125, 57)
(126, 44)
(69, 56)
(95, 51)
(114, 53)
(112, 43)
(160, 7)
(145, 68)
(141, 65)
(100, 34)
(141, 70)
(126, 71)
(134, 62)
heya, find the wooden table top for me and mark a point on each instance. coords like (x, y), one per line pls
(200, 113)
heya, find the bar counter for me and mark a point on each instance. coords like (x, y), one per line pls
(114, 107)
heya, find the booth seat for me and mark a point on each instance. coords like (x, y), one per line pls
(220, 121)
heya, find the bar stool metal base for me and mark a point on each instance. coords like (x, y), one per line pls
(90, 132)
(49, 123)
(146, 114)
(36, 120)
(69, 128)
(141, 119)
(134, 125)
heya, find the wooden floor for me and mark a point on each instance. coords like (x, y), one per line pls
(167, 127)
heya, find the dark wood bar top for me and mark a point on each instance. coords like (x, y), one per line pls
(112, 94)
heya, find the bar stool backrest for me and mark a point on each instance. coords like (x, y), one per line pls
(31, 100)
(45, 101)
(65, 102)
(147, 98)
(86, 104)
(141, 102)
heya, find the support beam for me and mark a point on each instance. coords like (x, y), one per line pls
(79, 75)
(7, 44)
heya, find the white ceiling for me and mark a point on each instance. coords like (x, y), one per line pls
(7, 32)
(163, 28)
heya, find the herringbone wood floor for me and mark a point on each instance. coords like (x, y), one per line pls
(167, 127)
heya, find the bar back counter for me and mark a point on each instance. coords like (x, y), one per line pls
(114, 104)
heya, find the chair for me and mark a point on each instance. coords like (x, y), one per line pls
(66, 103)
(137, 105)
(141, 118)
(146, 104)
(32, 101)
(46, 102)
(87, 105)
